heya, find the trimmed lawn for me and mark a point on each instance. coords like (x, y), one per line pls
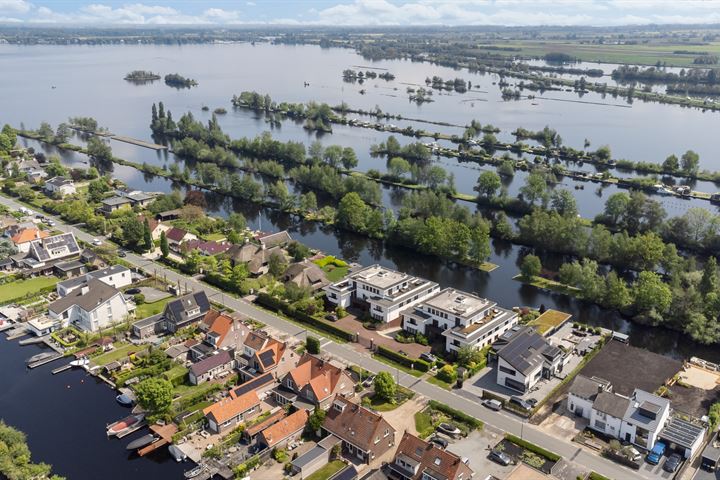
(549, 319)
(185, 390)
(423, 424)
(149, 309)
(335, 274)
(551, 285)
(327, 470)
(21, 288)
(214, 237)
(121, 351)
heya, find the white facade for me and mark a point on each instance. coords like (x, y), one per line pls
(386, 292)
(112, 311)
(607, 424)
(581, 407)
(61, 186)
(509, 377)
(116, 276)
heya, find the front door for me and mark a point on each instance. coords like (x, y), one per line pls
(627, 437)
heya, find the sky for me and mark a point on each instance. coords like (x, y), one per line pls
(360, 12)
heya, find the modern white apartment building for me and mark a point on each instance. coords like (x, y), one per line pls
(462, 318)
(383, 291)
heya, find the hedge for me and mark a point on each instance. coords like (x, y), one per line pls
(278, 305)
(597, 476)
(414, 363)
(553, 457)
(456, 414)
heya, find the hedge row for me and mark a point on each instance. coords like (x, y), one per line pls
(276, 305)
(597, 476)
(456, 414)
(553, 457)
(414, 363)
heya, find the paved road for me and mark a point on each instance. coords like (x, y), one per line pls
(500, 420)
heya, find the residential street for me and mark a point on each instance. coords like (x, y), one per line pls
(499, 420)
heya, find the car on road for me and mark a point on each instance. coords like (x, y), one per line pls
(122, 253)
(519, 402)
(439, 441)
(500, 457)
(654, 456)
(493, 405)
(672, 463)
(96, 242)
(132, 291)
(50, 223)
(448, 429)
(428, 357)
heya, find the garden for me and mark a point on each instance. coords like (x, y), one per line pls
(427, 420)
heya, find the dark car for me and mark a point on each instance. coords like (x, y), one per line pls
(122, 253)
(439, 441)
(132, 291)
(532, 401)
(448, 429)
(672, 463)
(500, 457)
(428, 357)
(519, 402)
(332, 317)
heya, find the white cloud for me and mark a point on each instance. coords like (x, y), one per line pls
(14, 6)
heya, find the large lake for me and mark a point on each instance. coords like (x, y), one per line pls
(88, 81)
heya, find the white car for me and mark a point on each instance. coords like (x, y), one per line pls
(96, 242)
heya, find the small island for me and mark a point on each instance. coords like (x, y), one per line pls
(178, 81)
(142, 76)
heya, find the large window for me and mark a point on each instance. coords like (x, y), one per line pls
(509, 371)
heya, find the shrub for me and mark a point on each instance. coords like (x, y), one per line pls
(139, 299)
(447, 374)
(553, 457)
(416, 363)
(313, 345)
(278, 305)
(457, 415)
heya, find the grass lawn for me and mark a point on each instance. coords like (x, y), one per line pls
(402, 368)
(335, 274)
(20, 288)
(423, 423)
(185, 390)
(121, 350)
(149, 309)
(551, 285)
(327, 471)
(440, 383)
(214, 237)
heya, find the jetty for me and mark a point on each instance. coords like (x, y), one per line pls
(17, 332)
(61, 369)
(164, 434)
(32, 341)
(44, 361)
(139, 143)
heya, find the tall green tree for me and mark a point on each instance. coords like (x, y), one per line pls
(530, 266)
(154, 394)
(147, 235)
(164, 246)
(709, 282)
(488, 183)
(385, 387)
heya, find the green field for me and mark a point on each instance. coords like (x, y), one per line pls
(335, 274)
(21, 288)
(149, 309)
(121, 350)
(551, 285)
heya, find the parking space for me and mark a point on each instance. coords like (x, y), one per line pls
(476, 448)
(656, 471)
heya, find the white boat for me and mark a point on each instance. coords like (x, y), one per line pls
(176, 453)
(194, 472)
(124, 424)
(80, 362)
(41, 356)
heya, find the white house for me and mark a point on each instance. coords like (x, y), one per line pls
(117, 276)
(60, 185)
(57, 247)
(524, 357)
(92, 307)
(383, 291)
(462, 318)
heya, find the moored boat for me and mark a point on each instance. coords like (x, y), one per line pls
(176, 453)
(194, 472)
(124, 400)
(80, 362)
(122, 425)
(143, 441)
(40, 356)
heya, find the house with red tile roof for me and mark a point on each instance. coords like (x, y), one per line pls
(284, 431)
(207, 248)
(24, 237)
(230, 411)
(176, 237)
(316, 381)
(261, 353)
(416, 459)
(365, 435)
(221, 331)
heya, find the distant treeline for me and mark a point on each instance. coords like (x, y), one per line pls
(142, 76)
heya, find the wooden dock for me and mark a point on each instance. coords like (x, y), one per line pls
(32, 341)
(45, 361)
(165, 432)
(139, 143)
(17, 332)
(61, 369)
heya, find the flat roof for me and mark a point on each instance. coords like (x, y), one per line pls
(681, 432)
(381, 277)
(458, 303)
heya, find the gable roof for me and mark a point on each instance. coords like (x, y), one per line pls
(97, 293)
(527, 349)
(230, 407)
(437, 462)
(254, 384)
(64, 243)
(59, 181)
(306, 274)
(317, 375)
(256, 340)
(208, 247)
(269, 356)
(281, 430)
(271, 420)
(355, 424)
(274, 239)
(176, 234)
(208, 363)
(588, 388)
(611, 404)
(179, 307)
(28, 235)
(220, 327)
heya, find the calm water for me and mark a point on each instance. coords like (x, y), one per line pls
(89, 82)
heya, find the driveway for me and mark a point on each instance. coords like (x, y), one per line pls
(374, 337)
(476, 447)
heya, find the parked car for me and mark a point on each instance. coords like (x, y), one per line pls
(50, 223)
(654, 456)
(428, 357)
(331, 316)
(519, 402)
(448, 429)
(500, 457)
(132, 291)
(369, 381)
(532, 401)
(493, 404)
(122, 253)
(439, 441)
(672, 463)
(96, 242)
(633, 454)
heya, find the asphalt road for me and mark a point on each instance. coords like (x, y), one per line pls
(500, 420)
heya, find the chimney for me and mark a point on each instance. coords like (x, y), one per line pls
(84, 289)
(600, 388)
